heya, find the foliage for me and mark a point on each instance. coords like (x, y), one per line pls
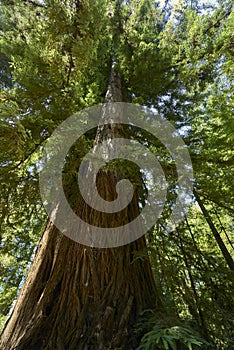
(166, 332)
(192, 277)
(55, 60)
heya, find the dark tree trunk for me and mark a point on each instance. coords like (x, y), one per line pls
(78, 297)
(220, 242)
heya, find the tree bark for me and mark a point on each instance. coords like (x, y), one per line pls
(78, 297)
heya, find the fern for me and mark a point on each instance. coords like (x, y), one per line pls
(167, 333)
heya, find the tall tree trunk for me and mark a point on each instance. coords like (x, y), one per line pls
(78, 297)
(200, 318)
(222, 246)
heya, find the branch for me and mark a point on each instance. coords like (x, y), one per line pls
(218, 22)
(25, 159)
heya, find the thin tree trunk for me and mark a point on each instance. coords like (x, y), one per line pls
(223, 248)
(78, 297)
(192, 283)
(223, 229)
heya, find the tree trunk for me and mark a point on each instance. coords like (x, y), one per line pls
(78, 297)
(198, 311)
(220, 242)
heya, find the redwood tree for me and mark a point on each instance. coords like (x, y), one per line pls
(78, 297)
